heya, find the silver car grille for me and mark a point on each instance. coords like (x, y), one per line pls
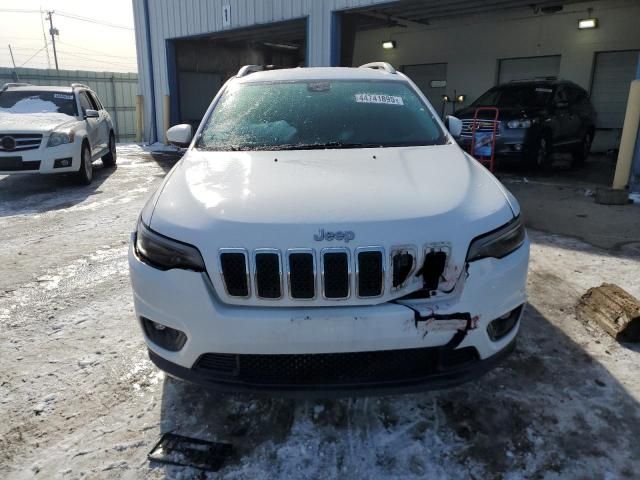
(485, 126)
(305, 274)
(19, 142)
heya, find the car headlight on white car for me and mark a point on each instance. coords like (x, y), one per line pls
(165, 253)
(523, 123)
(60, 138)
(499, 243)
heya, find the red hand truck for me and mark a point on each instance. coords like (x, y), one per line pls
(486, 160)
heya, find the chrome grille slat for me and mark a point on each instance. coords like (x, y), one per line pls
(483, 126)
(336, 273)
(267, 272)
(23, 141)
(301, 276)
(370, 272)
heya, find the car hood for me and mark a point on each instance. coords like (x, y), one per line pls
(506, 113)
(33, 122)
(280, 199)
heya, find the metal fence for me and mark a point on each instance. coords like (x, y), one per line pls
(117, 91)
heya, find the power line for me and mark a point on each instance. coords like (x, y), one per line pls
(18, 10)
(92, 20)
(91, 50)
(33, 56)
(69, 15)
(97, 60)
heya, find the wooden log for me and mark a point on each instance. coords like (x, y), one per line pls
(615, 310)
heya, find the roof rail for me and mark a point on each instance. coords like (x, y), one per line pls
(550, 78)
(249, 69)
(387, 67)
(14, 84)
(80, 85)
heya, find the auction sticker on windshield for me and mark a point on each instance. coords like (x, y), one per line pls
(374, 98)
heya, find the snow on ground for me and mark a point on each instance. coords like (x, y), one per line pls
(80, 399)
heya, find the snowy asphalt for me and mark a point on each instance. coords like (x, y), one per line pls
(80, 399)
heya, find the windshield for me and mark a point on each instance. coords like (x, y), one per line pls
(29, 101)
(319, 114)
(516, 96)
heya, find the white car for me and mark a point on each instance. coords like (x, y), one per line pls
(325, 234)
(54, 130)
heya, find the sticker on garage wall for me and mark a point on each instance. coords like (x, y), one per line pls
(438, 83)
(63, 96)
(380, 99)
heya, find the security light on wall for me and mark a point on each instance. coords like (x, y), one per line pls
(460, 98)
(389, 44)
(588, 23)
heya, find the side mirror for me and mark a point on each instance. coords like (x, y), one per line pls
(454, 125)
(180, 135)
(88, 113)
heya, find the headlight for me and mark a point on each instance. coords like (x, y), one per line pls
(524, 123)
(499, 243)
(60, 138)
(164, 253)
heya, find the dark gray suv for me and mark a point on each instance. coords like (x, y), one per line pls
(536, 118)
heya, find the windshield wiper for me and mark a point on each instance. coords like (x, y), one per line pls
(325, 146)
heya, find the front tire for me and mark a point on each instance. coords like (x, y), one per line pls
(85, 174)
(109, 160)
(580, 154)
(540, 156)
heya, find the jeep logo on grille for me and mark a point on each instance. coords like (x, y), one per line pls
(8, 143)
(347, 236)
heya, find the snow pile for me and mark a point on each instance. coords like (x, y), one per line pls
(32, 105)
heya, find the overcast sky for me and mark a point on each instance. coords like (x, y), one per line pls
(81, 45)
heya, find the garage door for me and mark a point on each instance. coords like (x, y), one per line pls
(431, 79)
(612, 74)
(510, 69)
(197, 89)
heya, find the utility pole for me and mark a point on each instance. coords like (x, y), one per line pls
(15, 72)
(44, 37)
(12, 60)
(53, 32)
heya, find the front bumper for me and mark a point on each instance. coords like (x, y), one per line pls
(345, 377)
(41, 159)
(515, 142)
(186, 301)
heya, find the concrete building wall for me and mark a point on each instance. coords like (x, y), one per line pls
(473, 45)
(156, 21)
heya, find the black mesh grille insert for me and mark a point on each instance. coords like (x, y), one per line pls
(301, 275)
(268, 275)
(234, 270)
(370, 277)
(402, 265)
(336, 275)
(334, 368)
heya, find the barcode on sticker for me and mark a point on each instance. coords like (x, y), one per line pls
(63, 96)
(374, 98)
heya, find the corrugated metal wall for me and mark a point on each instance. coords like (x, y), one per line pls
(117, 91)
(169, 19)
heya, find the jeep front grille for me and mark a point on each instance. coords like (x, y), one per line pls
(336, 273)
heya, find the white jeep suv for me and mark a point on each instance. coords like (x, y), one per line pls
(325, 234)
(54, 130)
